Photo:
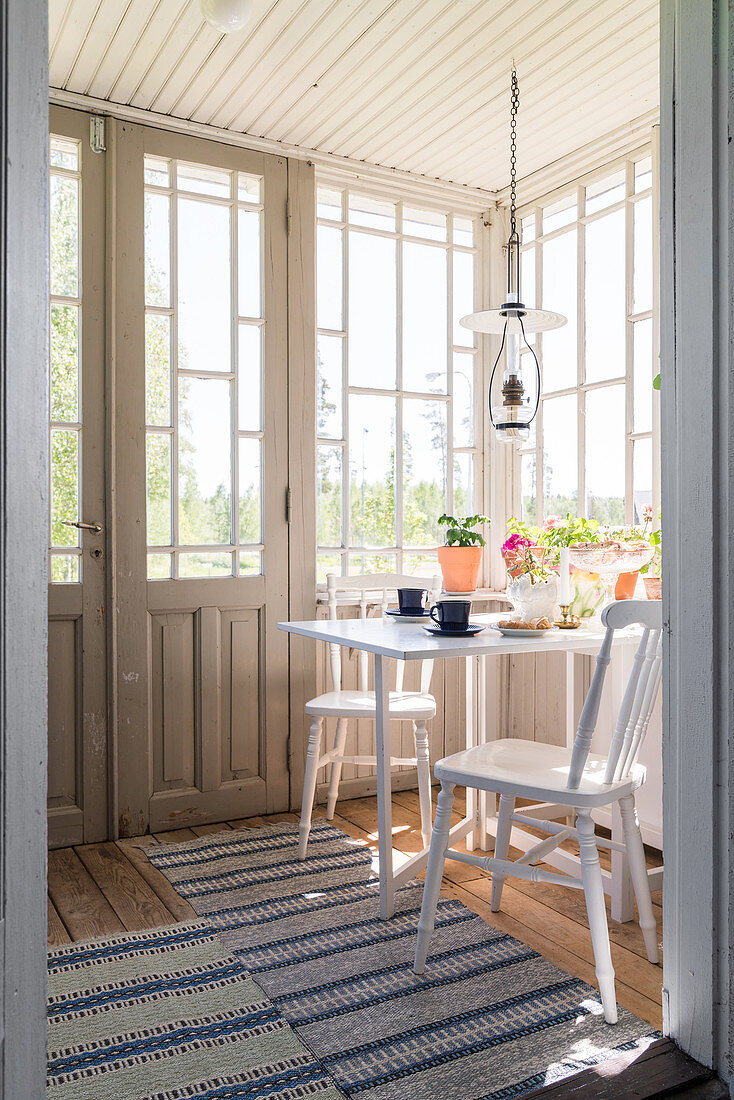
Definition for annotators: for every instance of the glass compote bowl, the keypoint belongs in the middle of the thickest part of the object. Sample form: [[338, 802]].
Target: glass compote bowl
[[609, 559]]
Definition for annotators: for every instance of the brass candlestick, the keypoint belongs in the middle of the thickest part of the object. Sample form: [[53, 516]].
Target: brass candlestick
[[568, 621]]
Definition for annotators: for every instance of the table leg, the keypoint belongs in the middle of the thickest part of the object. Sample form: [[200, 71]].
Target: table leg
[[472, 809], [384, 789]]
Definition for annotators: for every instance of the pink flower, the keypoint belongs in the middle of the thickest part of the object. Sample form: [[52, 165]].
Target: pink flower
[[553, 522], [647, 513], [514, 543]]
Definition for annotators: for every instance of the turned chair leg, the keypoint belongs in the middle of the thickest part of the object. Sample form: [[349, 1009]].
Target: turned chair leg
[[420, 734], [336, 767], [638, 873], [434, 873], [596, 909], [502, 846], [309, 784]]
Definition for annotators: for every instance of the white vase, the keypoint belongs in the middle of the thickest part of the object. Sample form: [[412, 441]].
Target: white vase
[[533, 601]]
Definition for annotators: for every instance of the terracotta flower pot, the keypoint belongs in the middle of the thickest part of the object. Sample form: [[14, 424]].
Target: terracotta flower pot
[[460, 567], [653, 588], [625, 586]]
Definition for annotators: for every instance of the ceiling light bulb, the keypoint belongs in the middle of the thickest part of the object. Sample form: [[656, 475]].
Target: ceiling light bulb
[[226, 16]]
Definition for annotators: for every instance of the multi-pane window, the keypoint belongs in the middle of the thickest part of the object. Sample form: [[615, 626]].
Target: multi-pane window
[[65, 413], [588, 253], [204, 331], [396, 430]]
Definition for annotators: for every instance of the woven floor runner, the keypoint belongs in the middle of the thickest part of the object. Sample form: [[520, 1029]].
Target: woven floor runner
[[169, 1014], [489, 1019]]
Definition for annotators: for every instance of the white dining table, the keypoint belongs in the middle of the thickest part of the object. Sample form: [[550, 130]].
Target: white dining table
[[389, 640]]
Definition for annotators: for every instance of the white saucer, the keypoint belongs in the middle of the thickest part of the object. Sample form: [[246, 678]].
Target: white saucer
[[512, 632]]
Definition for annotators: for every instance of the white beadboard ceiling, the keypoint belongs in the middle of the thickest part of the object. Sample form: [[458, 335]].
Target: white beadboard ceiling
[[416, 85]]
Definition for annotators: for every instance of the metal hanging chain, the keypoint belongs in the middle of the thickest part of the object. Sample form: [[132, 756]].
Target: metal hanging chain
[[514, 105]]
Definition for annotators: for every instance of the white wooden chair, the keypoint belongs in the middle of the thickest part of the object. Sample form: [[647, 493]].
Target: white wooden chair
[[575, 778], [417, 707]]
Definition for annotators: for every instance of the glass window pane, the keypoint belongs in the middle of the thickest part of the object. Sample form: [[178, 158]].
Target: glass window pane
[[373, 213], [204, 287], [64, 236], [528, 229], [329, 278], [463, 399], [372, 311], [329, 204], [643, 255], [251, 563], [64, 487], [421, 565], [329, 381], [560, 294], [65, 363], [424, 223], [371, 563], [158, 481], [250, 491], [528, 466], [204, 461], [249, 188], [643, 376], [64, 154], [157, 369], [250, 377], [159, 567], [560, 455], [327, 563], [527, 277], [249, 263], [642, 481], [157, 172], [157, 250], [463, 293], [605, 455], [606, 300], [372, 470], [425, 474], [643, 175], [64, 568], [560, 213], [199, 564], [605, 192], [329, 496], [250, 488], [424, 318], [463, 485], [463, 232], [204, 180]]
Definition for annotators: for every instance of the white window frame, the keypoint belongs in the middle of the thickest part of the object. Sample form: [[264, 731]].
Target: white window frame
[[401, 199], [582, 387]]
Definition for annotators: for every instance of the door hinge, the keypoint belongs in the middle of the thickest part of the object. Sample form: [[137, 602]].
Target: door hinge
[[288, 217], [96, 134], [288, 505]]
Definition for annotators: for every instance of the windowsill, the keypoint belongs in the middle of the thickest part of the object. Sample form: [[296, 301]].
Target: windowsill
[[375, 596]]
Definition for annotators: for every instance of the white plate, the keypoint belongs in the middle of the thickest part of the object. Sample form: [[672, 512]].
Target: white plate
[[394, 618], [511, 632]]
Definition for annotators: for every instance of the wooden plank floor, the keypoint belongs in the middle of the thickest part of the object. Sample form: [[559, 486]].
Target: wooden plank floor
[[107, 889]]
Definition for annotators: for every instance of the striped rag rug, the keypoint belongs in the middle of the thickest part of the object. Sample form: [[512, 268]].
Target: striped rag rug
[[169, 1014], [489, 1019]]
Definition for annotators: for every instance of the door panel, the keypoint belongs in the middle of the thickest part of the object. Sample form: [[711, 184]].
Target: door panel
[[77, 711], [205, 454]]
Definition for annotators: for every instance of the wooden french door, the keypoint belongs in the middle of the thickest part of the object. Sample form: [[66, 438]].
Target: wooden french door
[[77, 598], [199, 454]]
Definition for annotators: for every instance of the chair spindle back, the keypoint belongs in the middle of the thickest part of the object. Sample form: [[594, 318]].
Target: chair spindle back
[[639, 697]]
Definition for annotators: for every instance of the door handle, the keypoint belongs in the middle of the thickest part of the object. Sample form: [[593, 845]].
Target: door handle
[[95, 528]]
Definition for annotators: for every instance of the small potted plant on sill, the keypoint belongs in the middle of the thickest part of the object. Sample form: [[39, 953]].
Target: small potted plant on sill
[[461, 556], [651, 573]]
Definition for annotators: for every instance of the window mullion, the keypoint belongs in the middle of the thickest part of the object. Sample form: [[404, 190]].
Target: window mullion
[[173, 217], [346, 474], [581, 347], [235, 536], [629, 345], [398, 467]]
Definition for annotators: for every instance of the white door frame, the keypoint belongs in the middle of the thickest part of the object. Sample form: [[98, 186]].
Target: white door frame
[[698, 512]]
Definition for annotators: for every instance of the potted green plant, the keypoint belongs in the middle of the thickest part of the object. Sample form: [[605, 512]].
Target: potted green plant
[[534, 591], [652, 578], [461, 556]]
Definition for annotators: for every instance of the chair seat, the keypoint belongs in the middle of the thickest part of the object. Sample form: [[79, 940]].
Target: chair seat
[[531, 769], [361, 704]]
